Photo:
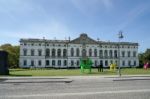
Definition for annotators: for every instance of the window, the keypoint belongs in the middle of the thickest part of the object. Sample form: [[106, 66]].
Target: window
[[59, 62], [110, 53], [78, 63], [123, 53], [65, 62], [115, 54], [53, 62], [134, 63], [105, 53], [32, 62], [101, 53], [101, 62], [40, 52], [59, 52], [84, 53], [95, 52], [134, 54], [25, 62], [77, 52], [47, 52], [47, 63], [106, 63], [123, 63], [53, 52], [129, 63], [128, 53], [25, 52], [72, 63], [95, 63], [90, 52], [64, 52], [72, 52], [39, 63], [32, 52]]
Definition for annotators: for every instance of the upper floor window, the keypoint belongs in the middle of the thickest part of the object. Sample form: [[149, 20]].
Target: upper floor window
[[59, 52], [47, 52], [134, 54], [101, 53], [115, 54], [40, 52], [129, 54], [25, 52], [77, 52], [95, 52], [90, 52], [72, 52], [32, 52], [53, 52], [64, 52], [110, 53], [123, 53], [106, 53]]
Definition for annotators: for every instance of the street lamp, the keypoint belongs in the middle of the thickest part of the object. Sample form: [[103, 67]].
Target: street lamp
[[120, 36]]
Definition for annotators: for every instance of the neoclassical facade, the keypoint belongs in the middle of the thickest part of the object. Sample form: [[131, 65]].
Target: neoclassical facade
[[43, 53]]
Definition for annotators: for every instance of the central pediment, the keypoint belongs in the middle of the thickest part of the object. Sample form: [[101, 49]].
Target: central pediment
[[83, 39]]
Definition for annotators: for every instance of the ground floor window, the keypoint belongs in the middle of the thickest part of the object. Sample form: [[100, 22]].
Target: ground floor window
[[47, 62], [95, 63], [123, 63], [59, 62], [77, 62], [106, 63], [72, 63], [134, 63], [25, 62], [129, 63], [39, 63], [65, 62], [53, 62], [32, 62], [101, 62]]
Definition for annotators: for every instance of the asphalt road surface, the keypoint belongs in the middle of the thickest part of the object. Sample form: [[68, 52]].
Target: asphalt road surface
[[75, 88]]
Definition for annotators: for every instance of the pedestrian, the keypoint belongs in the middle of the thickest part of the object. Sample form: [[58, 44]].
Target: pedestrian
[[101, 67]]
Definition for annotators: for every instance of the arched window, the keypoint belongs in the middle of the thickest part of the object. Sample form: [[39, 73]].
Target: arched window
[[84, 53], [32, 52], [72, 52], [115, 54], [101, 53], [25, 52], [110, 53], [77, 52], [129, 54], [90, 52], [64, 52], [47, 52], [105, 53], [53, 52], [59, 52], [95, 52], [40, 52]]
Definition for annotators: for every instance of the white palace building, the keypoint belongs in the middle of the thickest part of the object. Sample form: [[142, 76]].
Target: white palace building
[[44, 53]]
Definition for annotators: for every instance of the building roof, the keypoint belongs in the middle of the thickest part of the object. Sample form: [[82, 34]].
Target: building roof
[[82, 39]]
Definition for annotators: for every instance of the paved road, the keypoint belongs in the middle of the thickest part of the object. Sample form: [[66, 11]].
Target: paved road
[[76, 88]]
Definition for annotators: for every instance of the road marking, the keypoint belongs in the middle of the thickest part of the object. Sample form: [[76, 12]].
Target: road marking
[[77, 94]]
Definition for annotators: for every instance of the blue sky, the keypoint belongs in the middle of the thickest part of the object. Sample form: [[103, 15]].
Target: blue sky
[[63, 18]]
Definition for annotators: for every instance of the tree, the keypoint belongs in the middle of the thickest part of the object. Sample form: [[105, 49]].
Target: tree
[[13, 54]]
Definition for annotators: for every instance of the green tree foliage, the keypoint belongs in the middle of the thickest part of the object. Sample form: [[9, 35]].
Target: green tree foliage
[[13, 54], [144, 57]]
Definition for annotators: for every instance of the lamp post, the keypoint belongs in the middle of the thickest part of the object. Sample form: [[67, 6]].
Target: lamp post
[[120, 36]]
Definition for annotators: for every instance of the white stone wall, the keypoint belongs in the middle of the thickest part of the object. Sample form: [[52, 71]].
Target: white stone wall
[[43, 59]]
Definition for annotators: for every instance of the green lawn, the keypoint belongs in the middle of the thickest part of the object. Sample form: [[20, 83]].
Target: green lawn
[[73, 72]]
